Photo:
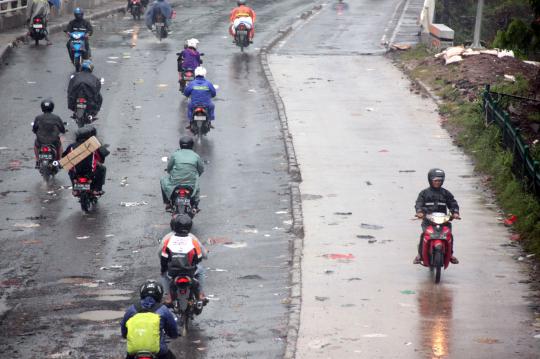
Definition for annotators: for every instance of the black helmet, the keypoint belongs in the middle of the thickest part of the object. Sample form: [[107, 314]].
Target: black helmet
[[79, 13], [241, 2], [153, 289], [186, 142], [84, 133], [47, 105], [435, 173], [181, 224]]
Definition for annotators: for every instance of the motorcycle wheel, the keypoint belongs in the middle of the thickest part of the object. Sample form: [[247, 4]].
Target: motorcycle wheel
[[45, 173], [185, 322], [438, 263], [77, 63], [37, 42], [85, 202]]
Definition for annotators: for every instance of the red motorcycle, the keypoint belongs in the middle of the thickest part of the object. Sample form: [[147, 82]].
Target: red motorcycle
[[437, 243]]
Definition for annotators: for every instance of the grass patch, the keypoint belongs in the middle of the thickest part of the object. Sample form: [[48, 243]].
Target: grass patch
[[465, 120]]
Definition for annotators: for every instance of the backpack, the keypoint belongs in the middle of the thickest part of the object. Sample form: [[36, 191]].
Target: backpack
[[144, 331]]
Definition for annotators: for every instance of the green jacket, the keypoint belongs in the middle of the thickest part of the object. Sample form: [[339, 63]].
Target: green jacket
[[184, 167]]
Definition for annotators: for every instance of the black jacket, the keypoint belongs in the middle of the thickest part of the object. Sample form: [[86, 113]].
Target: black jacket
[[436, 200], [85, 84], [48, 128], [80, 25]]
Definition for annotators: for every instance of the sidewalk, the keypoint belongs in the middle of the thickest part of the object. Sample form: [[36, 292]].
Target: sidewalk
[[364, 144], [9, 39]]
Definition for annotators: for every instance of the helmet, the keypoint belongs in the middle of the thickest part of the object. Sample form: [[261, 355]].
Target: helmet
[[241, 2], [153, 289], [435, 173], [186, 142], [181, 224], [87, 65], [200, 71], [192, 43], [84, 133], [47, 105], [79, 13]]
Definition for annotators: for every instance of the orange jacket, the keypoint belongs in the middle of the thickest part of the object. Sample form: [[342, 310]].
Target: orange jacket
[[243, 11]]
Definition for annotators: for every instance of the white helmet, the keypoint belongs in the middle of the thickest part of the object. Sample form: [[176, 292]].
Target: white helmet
[[200, 71], [192, 43]]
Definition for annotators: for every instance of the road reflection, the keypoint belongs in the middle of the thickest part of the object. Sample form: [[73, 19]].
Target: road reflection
[[435, 304]]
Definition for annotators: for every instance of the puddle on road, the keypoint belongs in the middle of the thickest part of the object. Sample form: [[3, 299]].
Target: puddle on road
[[101, 315], [112, 298], [107, 292]]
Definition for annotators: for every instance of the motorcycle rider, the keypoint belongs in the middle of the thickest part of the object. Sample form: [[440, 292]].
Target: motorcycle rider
[[40, 8], [156, 8], [243, 14], [79, 24], [144, 3], [147, 322], [189, 58], [435, 198], [182, 253], [201, 91], [87, 85], [92, 165], [184, 168], [48, 128]]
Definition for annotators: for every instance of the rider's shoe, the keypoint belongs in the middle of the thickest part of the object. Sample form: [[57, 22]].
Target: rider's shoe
[[454, 260], [417, 260]]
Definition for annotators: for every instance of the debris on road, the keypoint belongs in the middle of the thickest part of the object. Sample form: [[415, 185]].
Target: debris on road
[[219, 240], [510, 220], [83, 237], [408, 292], [124, 182], [113, 267], [339, 256], [133, 204]]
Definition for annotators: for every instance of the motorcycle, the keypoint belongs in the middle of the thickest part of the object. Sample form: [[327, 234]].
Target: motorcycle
[[38, 29], [186, 76], [241, 37], [77, 47], [80, 114], [136, 9], [161, 30], [181, 201], [437, 243], [82, 190], [200, 123], [48, 165], [186, 305]]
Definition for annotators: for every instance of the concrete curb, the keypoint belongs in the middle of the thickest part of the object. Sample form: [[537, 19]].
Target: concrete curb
[[295, 295], [5, 50]]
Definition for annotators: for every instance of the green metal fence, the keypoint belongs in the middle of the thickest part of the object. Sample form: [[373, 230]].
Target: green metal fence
[[523, 166]]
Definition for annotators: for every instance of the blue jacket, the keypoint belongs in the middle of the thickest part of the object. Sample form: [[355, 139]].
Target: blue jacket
[[167, 324], [200, 90]]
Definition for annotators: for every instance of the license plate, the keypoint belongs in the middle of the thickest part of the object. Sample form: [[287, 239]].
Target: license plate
[[81, 186], [242, 32], [45, 156], [159, 24], [38, 26], [200, 118], [81, 105]]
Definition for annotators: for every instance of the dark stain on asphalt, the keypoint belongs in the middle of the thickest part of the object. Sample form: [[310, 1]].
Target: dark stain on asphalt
[[251, 276], [371, 226]]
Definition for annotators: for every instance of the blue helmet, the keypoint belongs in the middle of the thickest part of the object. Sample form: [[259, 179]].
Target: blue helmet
[[78, 12], [87, 65]]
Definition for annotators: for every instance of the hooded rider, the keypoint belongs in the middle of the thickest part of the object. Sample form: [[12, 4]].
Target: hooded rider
[[184, 168], [87, 85], [158, 7]]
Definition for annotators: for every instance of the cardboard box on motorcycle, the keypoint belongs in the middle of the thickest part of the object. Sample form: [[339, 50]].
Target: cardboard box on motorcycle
[[82, 151]]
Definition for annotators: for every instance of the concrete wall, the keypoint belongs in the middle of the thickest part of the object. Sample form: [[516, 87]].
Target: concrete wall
[[17, 19]]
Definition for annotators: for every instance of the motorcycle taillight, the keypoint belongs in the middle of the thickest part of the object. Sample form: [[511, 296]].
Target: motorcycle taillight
[[45, 149], [83, 180], [189, 74], [199, 109], [37, 20], [81, 100], [182, 280], [183, 192]]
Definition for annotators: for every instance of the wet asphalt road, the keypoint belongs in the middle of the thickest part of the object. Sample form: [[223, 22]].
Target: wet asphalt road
[[57, 262]]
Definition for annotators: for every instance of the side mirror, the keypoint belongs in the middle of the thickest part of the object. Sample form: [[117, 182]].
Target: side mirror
[[102, 80], [202, 54], [32, 124]]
